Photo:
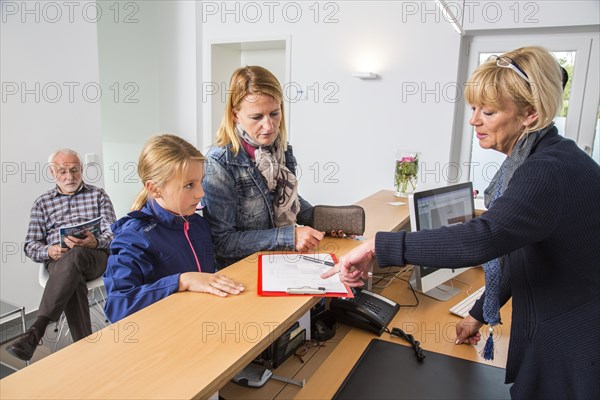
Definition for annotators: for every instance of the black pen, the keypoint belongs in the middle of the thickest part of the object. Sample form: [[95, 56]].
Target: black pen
[[316, 260]]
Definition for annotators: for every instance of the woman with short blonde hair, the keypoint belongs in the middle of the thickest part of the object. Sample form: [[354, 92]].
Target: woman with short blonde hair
[[538, 240], [542, 89]]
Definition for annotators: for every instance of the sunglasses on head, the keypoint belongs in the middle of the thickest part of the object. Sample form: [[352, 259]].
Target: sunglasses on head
[[507, 62]]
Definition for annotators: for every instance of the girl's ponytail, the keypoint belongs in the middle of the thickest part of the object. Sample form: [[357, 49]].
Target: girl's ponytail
[[140, 200]]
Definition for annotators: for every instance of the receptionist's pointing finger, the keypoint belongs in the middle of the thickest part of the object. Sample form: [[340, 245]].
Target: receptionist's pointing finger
[[338, 269], [331, 272]]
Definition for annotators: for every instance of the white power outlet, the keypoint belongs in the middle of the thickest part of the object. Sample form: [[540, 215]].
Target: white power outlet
[[91, 158]]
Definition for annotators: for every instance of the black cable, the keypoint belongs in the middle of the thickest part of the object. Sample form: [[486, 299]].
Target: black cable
[[382, 277], [385, 275], [409, 285], [416, 345], [413, 292]]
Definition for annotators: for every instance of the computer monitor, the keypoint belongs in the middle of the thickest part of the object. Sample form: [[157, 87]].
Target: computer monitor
[[430, 209]]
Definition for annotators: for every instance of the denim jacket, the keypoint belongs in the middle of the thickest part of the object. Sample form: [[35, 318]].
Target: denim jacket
[[239, 207]]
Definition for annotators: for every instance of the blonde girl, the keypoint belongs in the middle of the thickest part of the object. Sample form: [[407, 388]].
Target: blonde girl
[[163, 246]]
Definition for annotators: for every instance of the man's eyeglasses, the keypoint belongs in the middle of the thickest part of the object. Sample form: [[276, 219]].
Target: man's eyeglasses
[[507, 62], [62, 172]]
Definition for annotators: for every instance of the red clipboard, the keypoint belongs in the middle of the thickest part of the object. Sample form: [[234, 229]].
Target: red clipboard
[[261, 292]]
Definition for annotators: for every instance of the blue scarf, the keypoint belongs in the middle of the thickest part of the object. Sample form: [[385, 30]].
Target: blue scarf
[[493, 268]]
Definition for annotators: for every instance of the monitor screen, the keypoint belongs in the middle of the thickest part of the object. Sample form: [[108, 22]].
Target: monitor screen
[[432, 209]]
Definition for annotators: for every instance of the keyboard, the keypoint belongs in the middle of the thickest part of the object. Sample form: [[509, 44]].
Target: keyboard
[[462, 309]]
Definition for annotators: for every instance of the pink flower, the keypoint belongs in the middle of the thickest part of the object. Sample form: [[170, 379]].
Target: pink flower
[[407, 159]]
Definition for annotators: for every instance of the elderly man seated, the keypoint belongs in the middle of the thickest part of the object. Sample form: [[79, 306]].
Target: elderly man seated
[[81, 258]]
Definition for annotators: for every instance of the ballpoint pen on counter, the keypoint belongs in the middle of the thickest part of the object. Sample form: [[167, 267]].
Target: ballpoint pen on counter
[[317, 260]]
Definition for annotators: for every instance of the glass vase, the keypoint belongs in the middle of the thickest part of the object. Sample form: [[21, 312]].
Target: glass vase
[[406, 172]]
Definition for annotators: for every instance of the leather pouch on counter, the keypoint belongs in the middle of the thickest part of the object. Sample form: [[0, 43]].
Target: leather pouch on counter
[[350, 219]]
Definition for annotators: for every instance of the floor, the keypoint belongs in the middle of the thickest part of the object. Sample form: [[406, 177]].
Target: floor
[[9, 363]]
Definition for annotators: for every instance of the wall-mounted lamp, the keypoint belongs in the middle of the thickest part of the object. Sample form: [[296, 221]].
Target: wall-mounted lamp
[[365, 75]]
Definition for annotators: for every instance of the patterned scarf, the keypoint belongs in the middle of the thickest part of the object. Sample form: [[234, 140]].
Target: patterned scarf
[[270, 161], [493, 268]]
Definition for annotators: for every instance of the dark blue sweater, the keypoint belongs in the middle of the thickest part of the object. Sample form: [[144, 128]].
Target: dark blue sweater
[[547, 224]]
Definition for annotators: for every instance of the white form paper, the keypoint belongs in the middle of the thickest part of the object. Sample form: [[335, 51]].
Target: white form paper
[[282, 272]]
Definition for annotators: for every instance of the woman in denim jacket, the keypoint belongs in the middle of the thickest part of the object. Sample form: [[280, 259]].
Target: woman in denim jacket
[[251, 192]]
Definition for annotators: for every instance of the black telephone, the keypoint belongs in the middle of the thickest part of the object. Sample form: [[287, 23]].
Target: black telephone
[[367, 310]]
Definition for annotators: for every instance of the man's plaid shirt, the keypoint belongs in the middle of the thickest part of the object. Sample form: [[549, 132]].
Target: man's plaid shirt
[[54, 210]]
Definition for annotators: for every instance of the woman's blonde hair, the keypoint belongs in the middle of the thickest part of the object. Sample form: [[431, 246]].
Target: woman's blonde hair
[[163, 158], [492, 85], [249, 80]]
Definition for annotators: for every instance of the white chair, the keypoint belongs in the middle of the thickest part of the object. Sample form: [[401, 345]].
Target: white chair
[[94, 291]]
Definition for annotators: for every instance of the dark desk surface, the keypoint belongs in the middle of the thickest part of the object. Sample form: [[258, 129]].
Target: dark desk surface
[[388, 370]]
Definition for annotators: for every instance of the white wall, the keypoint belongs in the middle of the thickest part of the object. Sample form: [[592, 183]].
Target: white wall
[[128, 62], [494, 14], [346, 134], [273, 60], [53, 54], [346, 144], [151, 61]]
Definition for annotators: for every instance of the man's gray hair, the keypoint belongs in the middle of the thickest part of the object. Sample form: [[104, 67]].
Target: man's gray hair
[[64, 151]]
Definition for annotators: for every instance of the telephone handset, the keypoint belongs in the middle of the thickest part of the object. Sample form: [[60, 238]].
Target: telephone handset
[[367, 310]]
